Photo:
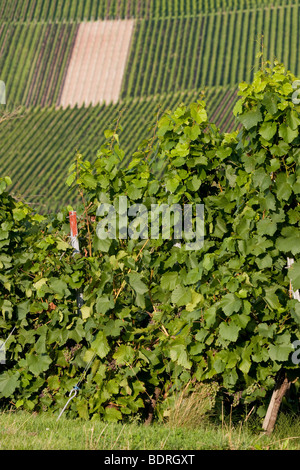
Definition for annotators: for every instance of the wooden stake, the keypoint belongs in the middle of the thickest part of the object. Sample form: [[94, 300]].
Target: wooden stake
[[281, 387]]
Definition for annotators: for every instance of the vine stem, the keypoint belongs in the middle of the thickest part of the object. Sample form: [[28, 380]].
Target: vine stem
[[124, 282]]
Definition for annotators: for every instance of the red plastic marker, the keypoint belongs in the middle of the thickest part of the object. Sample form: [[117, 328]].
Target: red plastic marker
[[73, 223], [75, 245], [74, 231]]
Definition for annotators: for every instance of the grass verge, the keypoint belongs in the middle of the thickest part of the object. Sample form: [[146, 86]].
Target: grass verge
[[30, 431]]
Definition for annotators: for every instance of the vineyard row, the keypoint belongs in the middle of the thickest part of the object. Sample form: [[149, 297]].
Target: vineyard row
[[209, 50], [78, 10], [38, 146], [33, 61]]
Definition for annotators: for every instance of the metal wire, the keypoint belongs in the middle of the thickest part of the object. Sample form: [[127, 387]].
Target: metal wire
[[75, 389]]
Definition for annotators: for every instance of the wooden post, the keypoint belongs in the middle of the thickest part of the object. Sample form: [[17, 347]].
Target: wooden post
[[75, 245], [281, 387]]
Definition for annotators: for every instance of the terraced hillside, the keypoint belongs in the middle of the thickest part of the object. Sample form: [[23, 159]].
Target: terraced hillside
[[43, 62], [50, 61]]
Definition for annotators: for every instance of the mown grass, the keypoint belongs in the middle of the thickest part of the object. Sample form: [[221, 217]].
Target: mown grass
[[30, 431]]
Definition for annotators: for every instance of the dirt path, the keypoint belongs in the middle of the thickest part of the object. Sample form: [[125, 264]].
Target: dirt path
[[98, 62]]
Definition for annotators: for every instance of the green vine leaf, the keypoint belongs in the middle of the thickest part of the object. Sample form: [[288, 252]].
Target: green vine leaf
[[100, 345], [229, 331]]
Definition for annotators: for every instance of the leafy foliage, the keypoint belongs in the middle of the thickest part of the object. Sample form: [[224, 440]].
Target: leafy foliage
[[156, 316]]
